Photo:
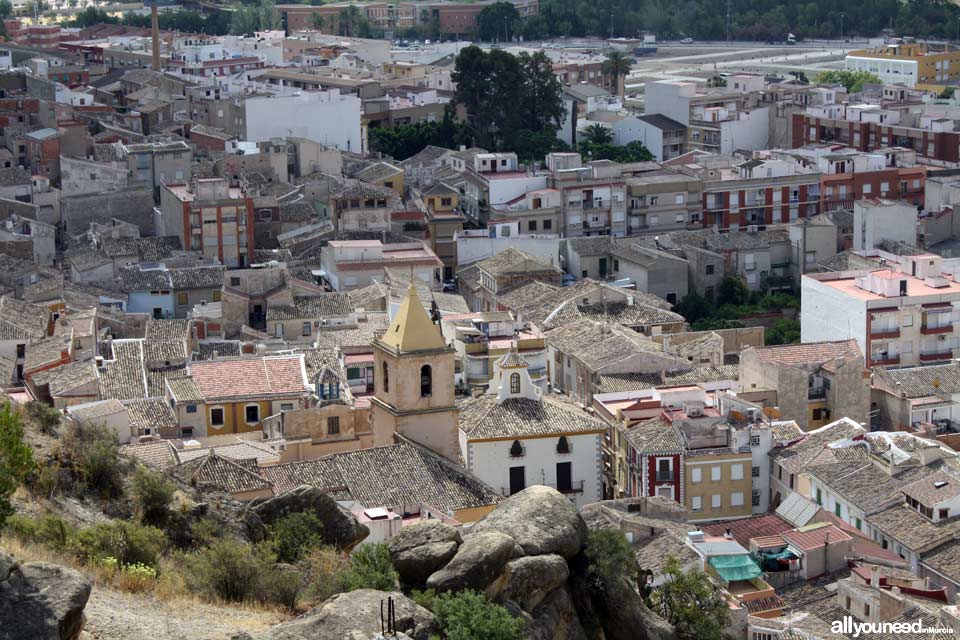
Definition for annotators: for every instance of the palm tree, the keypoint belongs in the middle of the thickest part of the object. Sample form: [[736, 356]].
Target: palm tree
[[318, 22], [597, 134], [616, 66]]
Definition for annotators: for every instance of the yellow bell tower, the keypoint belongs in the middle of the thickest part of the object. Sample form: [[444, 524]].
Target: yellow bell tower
[[414, 382]]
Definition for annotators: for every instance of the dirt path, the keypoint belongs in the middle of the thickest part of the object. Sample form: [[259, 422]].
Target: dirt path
[[112, 615]]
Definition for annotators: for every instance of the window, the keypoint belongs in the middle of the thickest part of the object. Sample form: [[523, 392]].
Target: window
[[858, 523], [307, 326], [837, 508], [252, 413], [754, 441], [709, 269], [333, 425], [563, 445], [736, 499], [908, 320], [736, 472], [755, 498], [715, 501], [216, 417], [943, 514], [532, 225], [515, 383], [234, 282], [386, 378], [867, 188], [755, 472], [866, 610], [182, 298], [516, 449], [426, 381], [697, 503], [286, 406], [715, 474], [671, 297], [695, 474], [547, 225], [191, 408]]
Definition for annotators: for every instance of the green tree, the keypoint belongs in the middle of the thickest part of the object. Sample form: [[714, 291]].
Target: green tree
[[46, 417], [716, 81], [616, 66], [318, 21], [609, 557], [852, 80], [497, 21], [542, 105], [947, 93], [16, 458], [152, 495], [91, 15], [370, 568], [92, 453], [469, 616], [597, 134], [733, 290], [245, 21], [350, 19], [269, 16], [783, 331], [694, 307], [295, 536], [6, 8], [125, 541], [691, 602]]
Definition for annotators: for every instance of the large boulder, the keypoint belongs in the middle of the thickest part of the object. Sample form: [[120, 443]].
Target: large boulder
[[531, 578], [419, 550], [479, 561], [542, 520], [41, 601], [618, 609], [340, 527], [356, 615], [556, 619]]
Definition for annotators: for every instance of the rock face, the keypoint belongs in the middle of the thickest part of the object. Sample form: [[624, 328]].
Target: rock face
[[356, 616], [420, 550], [340, 528], [478, 563], [527, 555], [40, 601], [541, 520]]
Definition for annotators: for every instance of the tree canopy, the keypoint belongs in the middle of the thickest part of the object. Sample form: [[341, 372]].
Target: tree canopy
[[498, 21], [16, 458], [852, 80], [691, 602]]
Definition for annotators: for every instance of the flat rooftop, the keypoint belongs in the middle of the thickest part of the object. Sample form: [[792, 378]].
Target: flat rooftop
[[916, 287]]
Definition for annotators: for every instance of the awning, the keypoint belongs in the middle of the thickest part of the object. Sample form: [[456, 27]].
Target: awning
[[738, 567]]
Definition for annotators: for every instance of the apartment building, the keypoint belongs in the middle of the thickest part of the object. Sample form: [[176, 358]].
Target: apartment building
[[491, 179], [664, 199], [351, 264], [757, 192], [902, 314], [593, 195], [871, 127], [207, 57], [909, 64], [210, 216], [716, 120]]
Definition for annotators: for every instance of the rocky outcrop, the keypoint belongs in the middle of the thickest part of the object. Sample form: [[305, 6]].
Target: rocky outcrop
[[357, 616], [340, 528], [541, 520], [421, 549], [527, 554], [40, 601], [477, 564]]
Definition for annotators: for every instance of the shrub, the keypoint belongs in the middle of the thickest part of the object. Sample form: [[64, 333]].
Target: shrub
[[48, 480], [93, 453], [469, 616], [205, 531], [16, 458], [51, 531], [280, 584], [321, 570], [296, 535], [610, 557], [370, 567], [137, 578], [227, 570], [691, 602], [152, 494], [46, 417], [129, 543]]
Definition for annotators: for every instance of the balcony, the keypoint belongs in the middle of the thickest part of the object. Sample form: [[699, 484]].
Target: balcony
[[935, 356], [929, 330], [883, 360], [884, 333], [573, 487], [664, 476], [816, 393]]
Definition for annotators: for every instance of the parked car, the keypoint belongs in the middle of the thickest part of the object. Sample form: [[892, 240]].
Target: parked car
[[687, 41], [450, 285]]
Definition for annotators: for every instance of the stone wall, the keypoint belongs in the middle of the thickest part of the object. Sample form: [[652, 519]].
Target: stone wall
[[131, 205]]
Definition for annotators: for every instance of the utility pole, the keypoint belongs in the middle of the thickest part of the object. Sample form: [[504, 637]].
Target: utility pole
[[842, 16], [729, 18]]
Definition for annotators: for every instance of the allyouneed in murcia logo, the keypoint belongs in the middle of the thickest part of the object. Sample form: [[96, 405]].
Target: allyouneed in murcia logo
[[850, 627]]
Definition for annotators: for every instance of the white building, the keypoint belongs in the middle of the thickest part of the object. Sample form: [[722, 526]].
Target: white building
[[326, 117], [903, 314], [878, 220], [513, 437], [893, 70]]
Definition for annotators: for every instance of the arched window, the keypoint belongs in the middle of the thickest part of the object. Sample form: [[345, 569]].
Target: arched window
[[563, 445], [515, 383], [386, 378], [426, 381], [516, 449]]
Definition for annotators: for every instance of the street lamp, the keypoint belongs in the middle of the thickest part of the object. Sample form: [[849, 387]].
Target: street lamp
[[842, 16]]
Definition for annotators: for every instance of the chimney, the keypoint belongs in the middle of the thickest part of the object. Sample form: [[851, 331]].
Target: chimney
[[728, 534], [874, 577]]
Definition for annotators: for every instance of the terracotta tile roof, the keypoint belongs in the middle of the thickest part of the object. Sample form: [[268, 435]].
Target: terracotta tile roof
[[154, 414], [211, 350], [263, 377], [331, 304], [159, 455], [746, 529], [21, 320], [913, 530], [655, 436], [599, 345], [810, 354], [512, 261], [183, 389], [614, 382], [47, 351], [816, 537], [935, 488], [167, 329], [483, 417], [919, 382], [798, 455], [760, 605], [236, 450], [221, 473], [124, 377], [63, 379]]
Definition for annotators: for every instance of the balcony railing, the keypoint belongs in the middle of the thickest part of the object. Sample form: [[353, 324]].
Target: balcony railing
[[664, 476], [884, 333], [929, 330], [817, 393], [573, 487], [885, 360], [934, 356]]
